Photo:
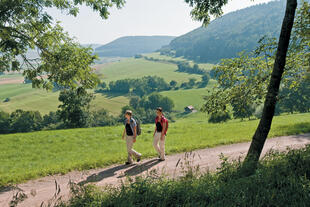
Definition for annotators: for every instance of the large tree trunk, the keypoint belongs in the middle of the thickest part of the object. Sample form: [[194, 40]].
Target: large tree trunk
[[263, 128]]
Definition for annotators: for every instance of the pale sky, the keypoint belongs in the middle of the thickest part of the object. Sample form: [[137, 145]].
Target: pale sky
[[137, 17]]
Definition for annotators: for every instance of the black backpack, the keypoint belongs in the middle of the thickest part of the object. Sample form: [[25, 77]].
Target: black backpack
[[138, 122]]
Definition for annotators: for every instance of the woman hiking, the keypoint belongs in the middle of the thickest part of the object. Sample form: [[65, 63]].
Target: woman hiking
[[161, 127], [130, 133]]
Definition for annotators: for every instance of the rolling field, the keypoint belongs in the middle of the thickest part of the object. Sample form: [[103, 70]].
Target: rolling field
[[31, 155], [137, 68], [24, 97], [157, 55]]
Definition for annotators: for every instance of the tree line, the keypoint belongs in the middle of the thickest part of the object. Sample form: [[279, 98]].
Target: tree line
[[149, 84], [74, 113]]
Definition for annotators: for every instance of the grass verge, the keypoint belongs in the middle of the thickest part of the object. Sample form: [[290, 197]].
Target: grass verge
[[282, 179]]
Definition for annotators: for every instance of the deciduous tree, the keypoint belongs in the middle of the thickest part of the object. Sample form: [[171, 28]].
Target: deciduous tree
[[25, 25], [202, 11]]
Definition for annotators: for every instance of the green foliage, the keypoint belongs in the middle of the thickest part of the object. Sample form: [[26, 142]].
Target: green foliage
[[26, 25], [186, 68], [155, 100], [102, 118], [141, 87], [144, 108], [74, 110], [219, 117], [173, 83], [52, 121], [204, 81], [282, 179], [243, 81], [4, 122], [232, 33], [25, 121]]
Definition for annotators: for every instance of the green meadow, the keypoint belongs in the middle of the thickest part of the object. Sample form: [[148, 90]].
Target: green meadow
[[137, 68], [23, 96], [158, 56], [31, 155], [186, 97]]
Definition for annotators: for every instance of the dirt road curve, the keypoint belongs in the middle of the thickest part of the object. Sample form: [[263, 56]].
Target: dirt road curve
[[43, 189]]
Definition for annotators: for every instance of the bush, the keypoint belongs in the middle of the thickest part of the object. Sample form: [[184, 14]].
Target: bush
[[102, 118], [282, 179], [4, 123], [219, 117], [25, 121]]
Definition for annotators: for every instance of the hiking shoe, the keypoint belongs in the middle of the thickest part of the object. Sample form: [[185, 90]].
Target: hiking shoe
[[139, 159], [161, 160], [128, 163]]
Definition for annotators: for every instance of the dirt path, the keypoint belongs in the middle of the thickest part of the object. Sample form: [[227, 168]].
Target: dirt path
[[4, 81], [208, 159]]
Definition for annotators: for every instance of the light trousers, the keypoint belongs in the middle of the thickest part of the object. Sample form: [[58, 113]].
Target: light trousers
[[159, 145], [131, 152]]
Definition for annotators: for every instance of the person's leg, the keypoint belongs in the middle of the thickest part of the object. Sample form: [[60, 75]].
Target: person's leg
[[155, 142], [162, 148], [135, 153], [129, 142]]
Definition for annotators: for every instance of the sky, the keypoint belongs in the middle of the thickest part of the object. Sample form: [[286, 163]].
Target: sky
[[137, 17]]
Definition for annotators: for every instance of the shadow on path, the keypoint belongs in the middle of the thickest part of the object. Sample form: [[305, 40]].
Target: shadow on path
[[104, 174], [4, 189], [138, 169]]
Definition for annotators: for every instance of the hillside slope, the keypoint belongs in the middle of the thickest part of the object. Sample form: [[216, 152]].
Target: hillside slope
[[230, 34], [131, 45]]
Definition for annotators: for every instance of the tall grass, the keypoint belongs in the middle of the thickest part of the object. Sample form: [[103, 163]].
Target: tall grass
[[282, 179]]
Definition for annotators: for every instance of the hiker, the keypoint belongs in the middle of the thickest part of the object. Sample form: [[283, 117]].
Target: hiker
[[161, 128], [130, 133]]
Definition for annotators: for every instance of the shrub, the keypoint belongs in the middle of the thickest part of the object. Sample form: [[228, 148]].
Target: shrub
[[219, 117], [25, 121], [282, 179], [4, 122]]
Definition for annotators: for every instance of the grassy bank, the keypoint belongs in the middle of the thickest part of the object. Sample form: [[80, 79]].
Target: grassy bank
[[31, 155], [282, 179]]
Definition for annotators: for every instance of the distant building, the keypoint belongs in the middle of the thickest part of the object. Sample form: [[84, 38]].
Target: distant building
[[190, 109]]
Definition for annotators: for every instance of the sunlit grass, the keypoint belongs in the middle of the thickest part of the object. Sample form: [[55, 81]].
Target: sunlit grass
[[30, 155]]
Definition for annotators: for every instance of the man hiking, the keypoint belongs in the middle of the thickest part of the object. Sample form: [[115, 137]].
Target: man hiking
[[130, 133], [161, 128]]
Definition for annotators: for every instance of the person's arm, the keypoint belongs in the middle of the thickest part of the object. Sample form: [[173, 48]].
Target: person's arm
[[134, 133], [154, 131], [123, 137], [163, 131]]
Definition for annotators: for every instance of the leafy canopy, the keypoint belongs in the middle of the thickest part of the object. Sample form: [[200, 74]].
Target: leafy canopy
[[204, 9], [243, 81], [25, 24]]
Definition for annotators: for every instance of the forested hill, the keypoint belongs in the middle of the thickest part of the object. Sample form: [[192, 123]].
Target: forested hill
[[230, 34], [132, 45]]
